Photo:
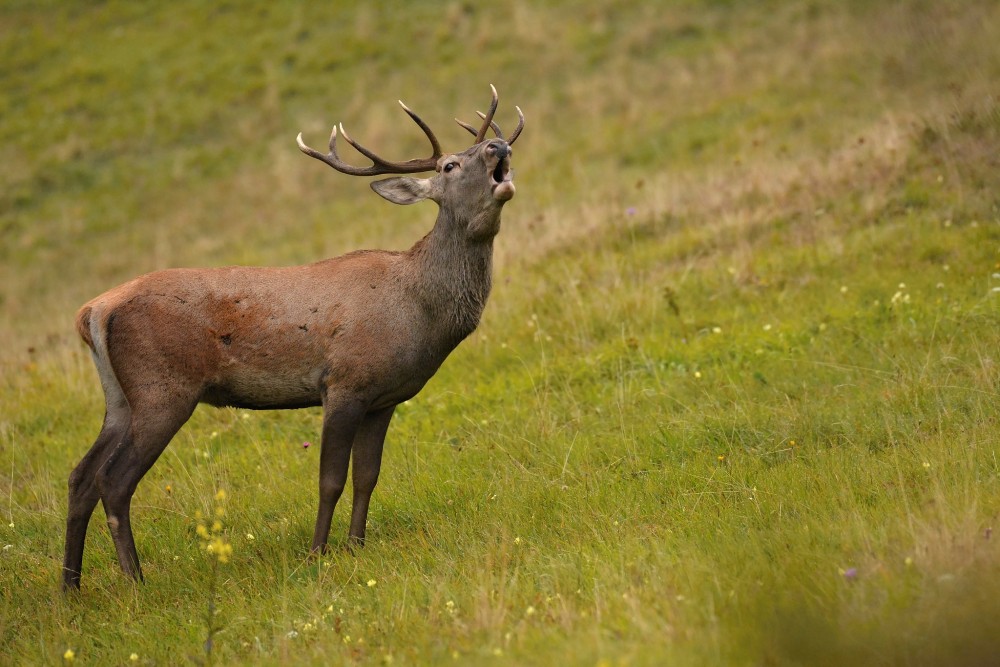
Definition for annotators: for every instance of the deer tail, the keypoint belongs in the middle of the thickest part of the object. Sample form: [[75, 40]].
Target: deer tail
[[83, 325]]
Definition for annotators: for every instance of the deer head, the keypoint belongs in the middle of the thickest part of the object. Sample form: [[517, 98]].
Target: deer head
[[470, 187]]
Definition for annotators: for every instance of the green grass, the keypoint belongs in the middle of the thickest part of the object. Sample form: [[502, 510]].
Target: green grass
[[733, 400]]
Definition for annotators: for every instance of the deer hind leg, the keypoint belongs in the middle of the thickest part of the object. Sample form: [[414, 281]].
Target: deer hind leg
[[152, 427], [84, 494], [83, 490], [367, 462]]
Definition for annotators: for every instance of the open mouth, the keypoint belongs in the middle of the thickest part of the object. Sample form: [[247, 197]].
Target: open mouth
[[502, 180], [501, 173]]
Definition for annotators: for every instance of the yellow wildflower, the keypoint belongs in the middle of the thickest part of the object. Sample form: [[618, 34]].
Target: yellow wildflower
[[219, 548]]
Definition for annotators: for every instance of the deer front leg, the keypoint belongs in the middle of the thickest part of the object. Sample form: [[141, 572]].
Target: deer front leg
[[340, 423], [367, 462]]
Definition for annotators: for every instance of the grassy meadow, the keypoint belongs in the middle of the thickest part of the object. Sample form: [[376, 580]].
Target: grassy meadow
[[734, 399]]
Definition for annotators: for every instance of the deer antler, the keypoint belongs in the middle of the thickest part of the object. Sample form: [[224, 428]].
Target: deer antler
[[488, 122], [379, 165]]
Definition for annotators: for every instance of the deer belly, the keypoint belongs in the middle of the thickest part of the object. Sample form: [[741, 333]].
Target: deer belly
[[263, 385]]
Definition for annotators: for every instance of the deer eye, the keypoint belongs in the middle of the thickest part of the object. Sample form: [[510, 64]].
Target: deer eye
[[451, 165]]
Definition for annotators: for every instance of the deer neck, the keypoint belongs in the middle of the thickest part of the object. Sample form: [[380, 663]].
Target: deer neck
[[453, 268]]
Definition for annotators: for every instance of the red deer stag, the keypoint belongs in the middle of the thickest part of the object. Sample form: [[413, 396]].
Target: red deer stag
[[356, 334]]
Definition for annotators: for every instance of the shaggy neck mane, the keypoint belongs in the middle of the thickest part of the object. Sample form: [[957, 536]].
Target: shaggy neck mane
[[457, 267]]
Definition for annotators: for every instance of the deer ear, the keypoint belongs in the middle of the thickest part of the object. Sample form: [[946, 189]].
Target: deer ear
[[403, 190]]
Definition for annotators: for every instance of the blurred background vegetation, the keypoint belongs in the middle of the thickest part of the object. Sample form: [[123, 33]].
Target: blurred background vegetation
[[168, 131]]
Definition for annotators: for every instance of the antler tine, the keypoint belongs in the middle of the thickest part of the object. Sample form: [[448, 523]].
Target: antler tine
[[361, 149], [493, 124], [435, 146], [332, 158], [379, 165], [488, 121], [496, 128], [517, 130], [488, 118], [472, 130]]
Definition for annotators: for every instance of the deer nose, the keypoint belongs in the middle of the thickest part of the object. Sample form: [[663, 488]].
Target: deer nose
[[499, 148]]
